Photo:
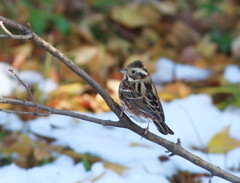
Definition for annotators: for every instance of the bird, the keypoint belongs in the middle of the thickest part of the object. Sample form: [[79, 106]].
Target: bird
[[139, 99]]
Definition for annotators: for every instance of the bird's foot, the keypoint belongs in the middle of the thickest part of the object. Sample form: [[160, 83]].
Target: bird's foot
[[145, 131]]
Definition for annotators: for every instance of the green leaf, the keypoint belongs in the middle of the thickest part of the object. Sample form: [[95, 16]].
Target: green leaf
[[39, 20], [62, 24], [210, 7], [86, 164], [1, 135], [223, 39]]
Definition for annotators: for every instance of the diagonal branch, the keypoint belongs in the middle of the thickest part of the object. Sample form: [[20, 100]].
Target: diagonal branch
[[125, 122]]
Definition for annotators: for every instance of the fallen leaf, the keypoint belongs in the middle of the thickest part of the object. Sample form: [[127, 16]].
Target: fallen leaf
[[133, 144], [206, 48], [134, 15], [69, 89], [78, 156], [182, 34], [222, 142], [97, 60], [41, 154], [117, 168], [23, 146], [175, 90], [166, 7], [189, 55], [21, 53]]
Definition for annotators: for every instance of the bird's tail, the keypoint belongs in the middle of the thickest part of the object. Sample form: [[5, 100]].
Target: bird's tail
[[163, 128]]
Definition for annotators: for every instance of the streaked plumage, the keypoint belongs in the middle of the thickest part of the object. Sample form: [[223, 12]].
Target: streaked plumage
[[139, 97]]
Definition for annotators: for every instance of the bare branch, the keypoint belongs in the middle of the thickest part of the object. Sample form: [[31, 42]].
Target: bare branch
[[25, 86], [50, 110], [125, 122], [12, 36], [26, 113]]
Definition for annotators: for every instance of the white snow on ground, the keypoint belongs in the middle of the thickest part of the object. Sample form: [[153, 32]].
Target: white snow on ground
[[194, 119], [9, 83], [114, 145], [10, 121], [232, 74], [165, 68]]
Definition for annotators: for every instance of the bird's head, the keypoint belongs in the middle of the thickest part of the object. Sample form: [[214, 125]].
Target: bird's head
[[135, 71]]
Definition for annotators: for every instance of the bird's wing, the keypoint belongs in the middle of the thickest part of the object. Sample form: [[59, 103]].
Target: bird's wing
[[146, 102]]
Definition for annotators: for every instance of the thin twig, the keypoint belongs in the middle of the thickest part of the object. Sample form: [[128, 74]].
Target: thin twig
[[5, 29], [26, 113], [25, 86], [12, 36]]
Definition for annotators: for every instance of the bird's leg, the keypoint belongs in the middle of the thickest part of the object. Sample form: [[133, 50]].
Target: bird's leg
[[122, 112], [146, 129]]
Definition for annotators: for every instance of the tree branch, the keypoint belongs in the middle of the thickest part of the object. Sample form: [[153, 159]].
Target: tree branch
[[50, 110], [12, 36], [125, 122]]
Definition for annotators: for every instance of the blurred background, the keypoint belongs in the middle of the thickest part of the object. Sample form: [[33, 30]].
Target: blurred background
[[101, 37]]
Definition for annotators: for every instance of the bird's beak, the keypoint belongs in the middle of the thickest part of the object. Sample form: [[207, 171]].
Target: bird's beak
[[123, 71]]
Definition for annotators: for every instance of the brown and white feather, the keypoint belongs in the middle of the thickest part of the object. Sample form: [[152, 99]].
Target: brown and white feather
[[139, 97]]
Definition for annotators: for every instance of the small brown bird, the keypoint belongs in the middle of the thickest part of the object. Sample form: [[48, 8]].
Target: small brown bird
[[139, 97]]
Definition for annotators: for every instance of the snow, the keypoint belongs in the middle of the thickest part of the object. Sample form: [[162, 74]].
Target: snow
[[11, 121], [114, 145], [166, 68], [6, 80], [232, 74], [28, 77], [194, 119]]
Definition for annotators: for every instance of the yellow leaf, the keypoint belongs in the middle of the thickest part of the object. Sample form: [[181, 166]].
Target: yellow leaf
[[23, 146], [222, 142], [69, 89], [117, 168], [134, 15], [206, 48], [139, 145]]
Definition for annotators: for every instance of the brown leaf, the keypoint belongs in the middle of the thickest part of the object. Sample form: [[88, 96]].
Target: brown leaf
[[97, 60], [175, 90], [187, 177], [182, 35], [190, 55], [163, 158], [22, 52]]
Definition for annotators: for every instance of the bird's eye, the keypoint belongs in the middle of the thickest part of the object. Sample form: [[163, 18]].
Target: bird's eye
[[133, 71]]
